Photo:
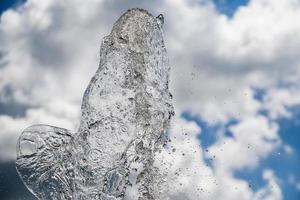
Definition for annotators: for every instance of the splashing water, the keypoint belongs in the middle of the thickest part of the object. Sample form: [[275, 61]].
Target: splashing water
[[126, 112]]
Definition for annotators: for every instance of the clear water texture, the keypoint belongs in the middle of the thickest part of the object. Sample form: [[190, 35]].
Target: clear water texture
[[126, 113]]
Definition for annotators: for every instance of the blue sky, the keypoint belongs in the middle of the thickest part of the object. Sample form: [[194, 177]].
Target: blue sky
[[285, 165], [235, 82], [8, 4], [228, 7]]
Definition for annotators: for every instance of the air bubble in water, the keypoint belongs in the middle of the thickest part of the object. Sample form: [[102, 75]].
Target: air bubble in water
[[126, 111]]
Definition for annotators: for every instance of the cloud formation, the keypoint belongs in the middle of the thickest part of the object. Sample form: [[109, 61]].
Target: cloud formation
[[49, 51]]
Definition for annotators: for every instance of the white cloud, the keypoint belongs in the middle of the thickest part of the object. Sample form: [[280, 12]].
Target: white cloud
[[255, 48], [58, 113], [189, 177], [49, 51], [272, 191], [253, 138], [288, 149], [278, 100], [292, 180]]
